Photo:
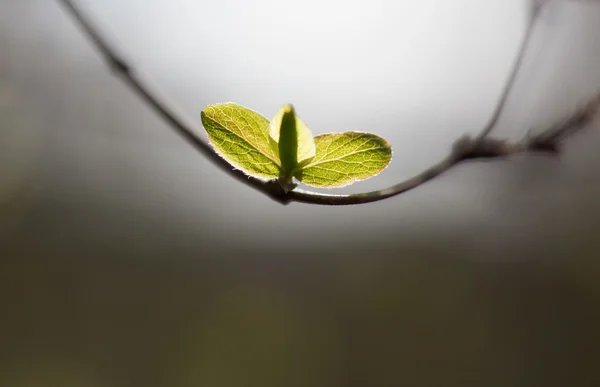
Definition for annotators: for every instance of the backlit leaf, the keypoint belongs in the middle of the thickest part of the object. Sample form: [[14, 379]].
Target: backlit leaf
[[343, 158], [241, 136]]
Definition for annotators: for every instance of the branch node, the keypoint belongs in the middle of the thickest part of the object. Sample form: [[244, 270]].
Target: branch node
[[463, 147], [277, 192], [467, 147]]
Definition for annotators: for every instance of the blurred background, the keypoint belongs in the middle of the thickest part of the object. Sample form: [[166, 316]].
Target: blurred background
[[126, 259]]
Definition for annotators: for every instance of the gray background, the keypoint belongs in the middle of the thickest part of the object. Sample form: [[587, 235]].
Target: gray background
[[127, 260]]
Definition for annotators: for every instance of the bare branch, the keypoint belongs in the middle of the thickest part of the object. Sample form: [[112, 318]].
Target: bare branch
[[122, 68], [465, 148], [512, 76]]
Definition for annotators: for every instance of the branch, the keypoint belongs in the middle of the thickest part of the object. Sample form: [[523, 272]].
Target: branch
[[465, 148], [512, 77], [122, 68]]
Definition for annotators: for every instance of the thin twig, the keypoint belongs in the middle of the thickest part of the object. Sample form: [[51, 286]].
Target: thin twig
[[512, 76], [465, 148], [551, 137]]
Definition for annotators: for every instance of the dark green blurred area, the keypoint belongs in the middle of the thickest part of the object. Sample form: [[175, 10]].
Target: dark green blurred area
[[126, 260], [428, 319]]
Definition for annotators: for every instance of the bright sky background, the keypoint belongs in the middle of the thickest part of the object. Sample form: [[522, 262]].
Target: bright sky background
[[419, 73]]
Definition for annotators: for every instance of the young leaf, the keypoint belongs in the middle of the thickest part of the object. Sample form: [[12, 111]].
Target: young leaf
[[343, 158], [241, 136], [292, 141]]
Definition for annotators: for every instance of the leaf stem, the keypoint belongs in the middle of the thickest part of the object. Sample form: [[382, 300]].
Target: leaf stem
[[465, 148]]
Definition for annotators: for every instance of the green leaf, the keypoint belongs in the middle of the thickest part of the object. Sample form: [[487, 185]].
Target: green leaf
[[241, 136], [343, 158], [292, 141]]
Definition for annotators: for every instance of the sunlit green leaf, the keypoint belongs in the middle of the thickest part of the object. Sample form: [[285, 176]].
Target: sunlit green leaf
[[241, 136], [285, 148], [291, 140], [343, 158]]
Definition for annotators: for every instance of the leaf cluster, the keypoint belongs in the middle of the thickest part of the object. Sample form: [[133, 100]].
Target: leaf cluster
[[285, 149]]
